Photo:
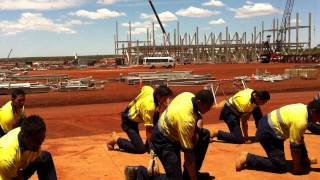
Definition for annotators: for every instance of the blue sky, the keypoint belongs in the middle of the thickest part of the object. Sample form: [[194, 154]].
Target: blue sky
[[87, 27]]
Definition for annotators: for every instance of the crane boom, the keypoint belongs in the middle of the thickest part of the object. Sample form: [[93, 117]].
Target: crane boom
[[156, 14], [285, 18], [166, 38], [9, 54]]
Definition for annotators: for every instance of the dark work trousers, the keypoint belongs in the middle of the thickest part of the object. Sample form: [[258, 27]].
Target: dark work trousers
[[275, 162], [257, 115], [169, 154], [135, 145], [43, 165], [273, 146], [1, 132], [314, 127], [233, 123]]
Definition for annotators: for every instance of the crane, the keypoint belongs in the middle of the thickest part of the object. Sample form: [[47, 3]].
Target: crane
[[281, 35], [159, 21], [9, 54]]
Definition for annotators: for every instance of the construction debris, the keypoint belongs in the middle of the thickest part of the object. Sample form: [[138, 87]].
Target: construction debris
[[172, 77], [302, 73], [8, 87], [58, 82], [86, 83]]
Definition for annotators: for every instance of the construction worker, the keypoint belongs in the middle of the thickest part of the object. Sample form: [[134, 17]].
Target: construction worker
[[287, 122], [21, 155], [143, 109], [314, 127], [12, 112], [177, 131], [240, 107]]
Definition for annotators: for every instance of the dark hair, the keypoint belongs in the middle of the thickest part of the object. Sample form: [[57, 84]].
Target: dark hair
[[33, 124], [17, 92], [315, 105], [263, 95], [205, 96], [162, 91]]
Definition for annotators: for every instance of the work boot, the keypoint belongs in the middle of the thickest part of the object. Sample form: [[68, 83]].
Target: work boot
[[203, 176], [241, 161], [313, 160], [130, 172], [112, 141], [213, 132]]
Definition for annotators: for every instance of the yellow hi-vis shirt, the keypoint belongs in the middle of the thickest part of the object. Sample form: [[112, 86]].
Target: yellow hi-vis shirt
[[143, 107], [8, 118], [178, 123], [242, 101], [11, 157], [289, 121]]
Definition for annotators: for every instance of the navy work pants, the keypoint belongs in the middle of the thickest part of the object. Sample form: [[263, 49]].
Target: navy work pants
[[233, 123], [169, 155], [43, 165], [274, 148], [135, 145]]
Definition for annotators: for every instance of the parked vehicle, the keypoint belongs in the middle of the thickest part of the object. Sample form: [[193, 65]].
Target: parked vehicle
[[154, 62]]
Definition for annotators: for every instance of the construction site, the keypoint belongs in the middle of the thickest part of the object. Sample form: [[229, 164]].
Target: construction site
[[81, 102], [276, 42]]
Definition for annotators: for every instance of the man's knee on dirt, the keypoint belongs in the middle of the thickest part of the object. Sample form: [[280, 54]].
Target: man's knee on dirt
[[280, 166], [45, 157], [141, 149], [238, 139]]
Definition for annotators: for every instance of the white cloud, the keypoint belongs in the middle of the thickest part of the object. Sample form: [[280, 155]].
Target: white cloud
[[35, 22], [196, 12], [214, 3], [249, 2], [146, 16], [140, 30], [166, 16], [136, 24], [99, 14], [294, 21], [141, 27], [218, 21], [73, 22], [110, 1], [258, 9], [39, 4]]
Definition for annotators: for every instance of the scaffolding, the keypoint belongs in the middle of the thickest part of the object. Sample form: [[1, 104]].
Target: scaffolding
[[223, 47]]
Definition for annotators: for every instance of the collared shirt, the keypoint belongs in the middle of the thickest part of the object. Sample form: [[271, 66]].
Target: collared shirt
[[143, 107], [242, 101], [8, 118], [179, 122], [290, 121], [13, 155]]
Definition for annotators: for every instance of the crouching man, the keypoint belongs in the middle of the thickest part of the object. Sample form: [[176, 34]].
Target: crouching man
[[21, 155], [145, 108], [177, 131], [287, 122]]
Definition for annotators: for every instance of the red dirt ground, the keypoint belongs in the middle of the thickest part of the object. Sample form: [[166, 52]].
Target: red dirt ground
[[79, 123]]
